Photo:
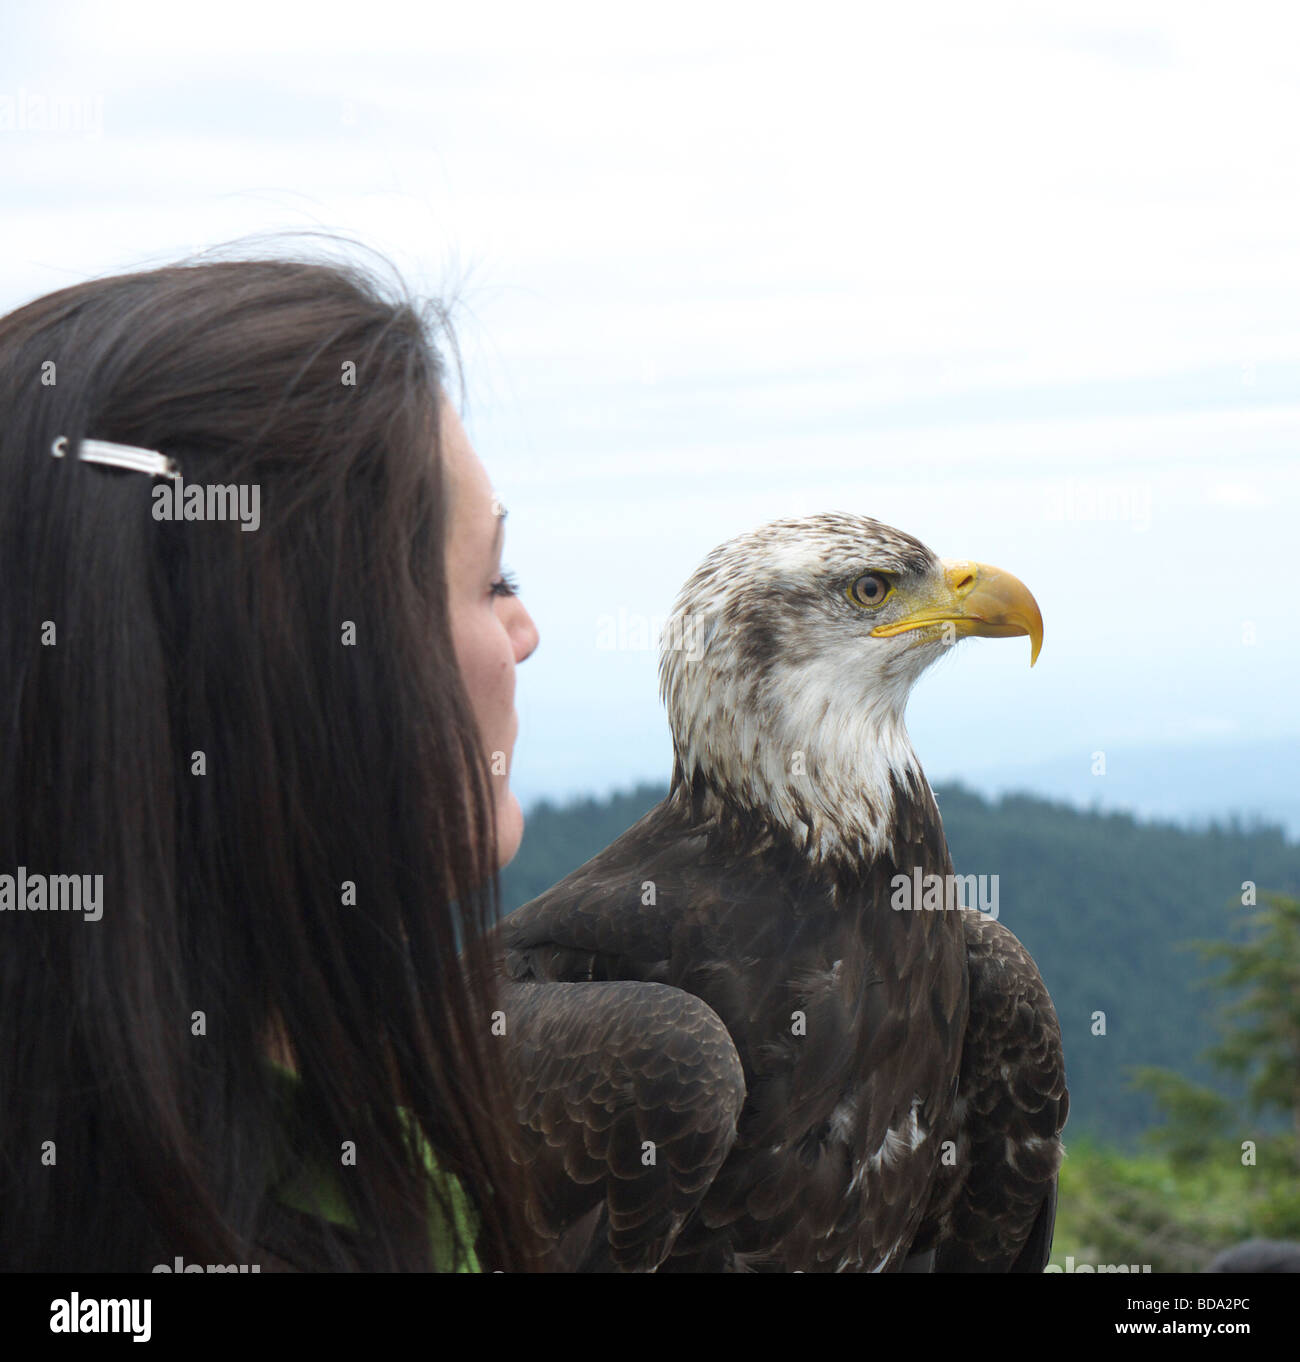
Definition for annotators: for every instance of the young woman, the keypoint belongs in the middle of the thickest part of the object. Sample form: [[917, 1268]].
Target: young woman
[[256, 688]]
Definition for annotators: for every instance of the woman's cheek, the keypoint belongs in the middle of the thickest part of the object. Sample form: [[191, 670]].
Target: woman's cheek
[[510, 827]]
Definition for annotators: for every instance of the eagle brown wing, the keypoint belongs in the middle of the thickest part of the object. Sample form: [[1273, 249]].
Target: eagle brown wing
[[993, 1209], [606, 1058], [629, 1093]]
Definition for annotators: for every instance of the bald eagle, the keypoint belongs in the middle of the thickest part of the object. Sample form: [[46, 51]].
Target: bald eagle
[[738, 1040]]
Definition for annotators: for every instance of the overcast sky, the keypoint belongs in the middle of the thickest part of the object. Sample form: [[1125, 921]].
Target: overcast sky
[[1023, 280]]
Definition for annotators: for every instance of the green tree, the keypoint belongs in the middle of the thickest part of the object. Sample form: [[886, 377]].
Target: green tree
[[1262, 1040], [1260, 1047]]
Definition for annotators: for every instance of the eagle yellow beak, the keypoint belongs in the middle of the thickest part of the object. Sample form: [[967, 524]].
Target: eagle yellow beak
[[976, 599]]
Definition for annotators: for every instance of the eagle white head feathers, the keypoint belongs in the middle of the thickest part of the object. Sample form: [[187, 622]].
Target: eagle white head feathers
[[789, 658]]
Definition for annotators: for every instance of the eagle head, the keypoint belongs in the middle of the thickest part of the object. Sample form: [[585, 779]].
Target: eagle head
[[788, 659]]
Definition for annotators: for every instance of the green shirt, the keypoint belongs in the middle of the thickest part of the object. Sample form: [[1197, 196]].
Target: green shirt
[[315, 1191]]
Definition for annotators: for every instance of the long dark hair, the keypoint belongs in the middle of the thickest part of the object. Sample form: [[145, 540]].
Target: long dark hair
[[132, 1129]]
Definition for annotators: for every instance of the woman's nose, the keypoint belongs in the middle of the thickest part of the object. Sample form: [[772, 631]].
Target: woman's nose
[[524, 633]]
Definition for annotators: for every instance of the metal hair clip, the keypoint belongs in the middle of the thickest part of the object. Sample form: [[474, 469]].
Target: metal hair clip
[[130, 457]]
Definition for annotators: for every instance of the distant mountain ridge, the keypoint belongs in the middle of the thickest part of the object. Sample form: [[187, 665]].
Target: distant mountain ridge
[[1190, 783]]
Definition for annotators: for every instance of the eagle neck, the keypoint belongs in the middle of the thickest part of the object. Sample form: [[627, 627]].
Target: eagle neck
[[839, 790]]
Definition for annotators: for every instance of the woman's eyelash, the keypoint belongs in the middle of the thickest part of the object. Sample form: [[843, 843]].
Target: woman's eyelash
[[505, 585]]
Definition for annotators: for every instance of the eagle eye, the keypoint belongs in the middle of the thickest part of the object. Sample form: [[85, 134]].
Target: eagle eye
[[870, 590]]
